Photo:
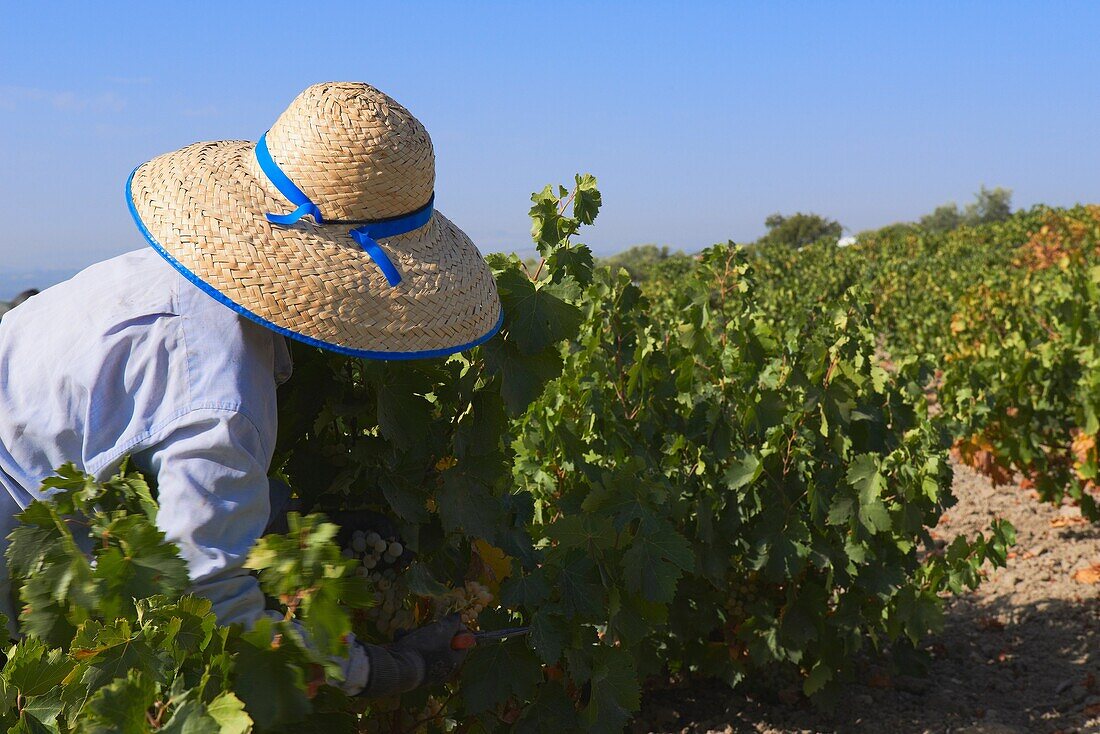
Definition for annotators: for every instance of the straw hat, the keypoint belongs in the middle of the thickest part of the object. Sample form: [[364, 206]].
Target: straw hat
[[324, 230]]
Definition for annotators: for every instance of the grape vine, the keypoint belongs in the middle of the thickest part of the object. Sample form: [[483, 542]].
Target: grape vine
[[662, 482]]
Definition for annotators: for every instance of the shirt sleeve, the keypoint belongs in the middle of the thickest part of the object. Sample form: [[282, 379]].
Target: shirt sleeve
[[211, 471], [214, 498]]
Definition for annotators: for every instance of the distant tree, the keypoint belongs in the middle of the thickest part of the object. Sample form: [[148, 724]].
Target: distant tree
[[641, 260], [895, 230], [989, 205], [5, 307], [24, 296], [799, 230], [943, 218]]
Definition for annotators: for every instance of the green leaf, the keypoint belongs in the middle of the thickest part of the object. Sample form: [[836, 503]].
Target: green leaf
[[574, 261], [228, 711], [53, 575], [524, 589], [191, 717], [745, 470], [866, 477], [46, 707], [194, 616], [406, 498], [466, 502], [421, 582], [586, 532], [493, 672], [138, 563], [579, 595], [655, 559], [403, 414], [325, 618], [28, 724], [481, 428], [111, 651], [268, 679], [842, 510], [819, 675], [551, 713], [523, 377], [33, 669], [120, 706], [549, 635], [632, 619], [616, 694], [537, 316], [587, 200], [548, 226], [306, 557]]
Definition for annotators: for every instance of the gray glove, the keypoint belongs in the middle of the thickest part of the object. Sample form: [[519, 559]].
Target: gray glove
[[422, 657]]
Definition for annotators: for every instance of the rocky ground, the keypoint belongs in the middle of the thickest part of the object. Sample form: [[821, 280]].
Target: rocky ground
[[1019, 655]]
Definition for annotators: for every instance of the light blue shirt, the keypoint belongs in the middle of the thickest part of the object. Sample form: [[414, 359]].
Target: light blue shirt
[[129, 358]]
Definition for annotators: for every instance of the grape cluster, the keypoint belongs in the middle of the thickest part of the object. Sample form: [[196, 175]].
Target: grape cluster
[[743, 593], [468, 601], [389, 614], [378, 556], [380, 559]]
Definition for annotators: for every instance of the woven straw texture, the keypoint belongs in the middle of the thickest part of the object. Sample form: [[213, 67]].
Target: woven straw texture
[[358, 155]]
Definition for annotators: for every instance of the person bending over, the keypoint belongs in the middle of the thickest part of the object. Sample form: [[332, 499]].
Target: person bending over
[[323, 231]]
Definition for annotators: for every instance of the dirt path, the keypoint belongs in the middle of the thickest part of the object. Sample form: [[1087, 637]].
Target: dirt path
[[1020, 655]]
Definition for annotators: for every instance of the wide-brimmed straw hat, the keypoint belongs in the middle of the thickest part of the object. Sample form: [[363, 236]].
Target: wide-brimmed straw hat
[[324, 230]]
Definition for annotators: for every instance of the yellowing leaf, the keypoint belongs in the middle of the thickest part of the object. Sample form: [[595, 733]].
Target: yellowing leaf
[[496, 565]]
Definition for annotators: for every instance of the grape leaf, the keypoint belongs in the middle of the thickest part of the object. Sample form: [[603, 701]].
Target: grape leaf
[[465, 501], [615, 691], [403, 414], [551, 713], [28, 724], [192, 717], [579, 596], [744, 471], [33, 669], [574, 261], [586, 532], [587, 200], [267, 679], [549, 634], [137, 563], [523, 376], [655, 560], [865, 476], [494, 672], [228, 711], [119, 707], [537, 315], [524, 589]]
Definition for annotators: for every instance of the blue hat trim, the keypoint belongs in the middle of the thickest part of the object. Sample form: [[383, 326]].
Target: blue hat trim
[[226, 301]]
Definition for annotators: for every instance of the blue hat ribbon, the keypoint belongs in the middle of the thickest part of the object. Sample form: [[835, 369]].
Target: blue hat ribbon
[[366, 235], [286, 187]]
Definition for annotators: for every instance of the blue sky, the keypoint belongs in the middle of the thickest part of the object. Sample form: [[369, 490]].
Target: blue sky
[[699, 119]]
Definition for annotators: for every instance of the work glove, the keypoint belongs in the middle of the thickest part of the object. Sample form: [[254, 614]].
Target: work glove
[[421, 657]]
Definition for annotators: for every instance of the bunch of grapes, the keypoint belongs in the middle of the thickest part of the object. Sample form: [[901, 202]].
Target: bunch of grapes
[[743, 593], [389, 613], [468, 601], [379, 557]]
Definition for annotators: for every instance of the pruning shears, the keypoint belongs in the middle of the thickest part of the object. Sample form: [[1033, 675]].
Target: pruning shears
[[466, 640]]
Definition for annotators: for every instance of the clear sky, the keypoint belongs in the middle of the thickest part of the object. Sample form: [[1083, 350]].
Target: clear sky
[[699, 119]]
